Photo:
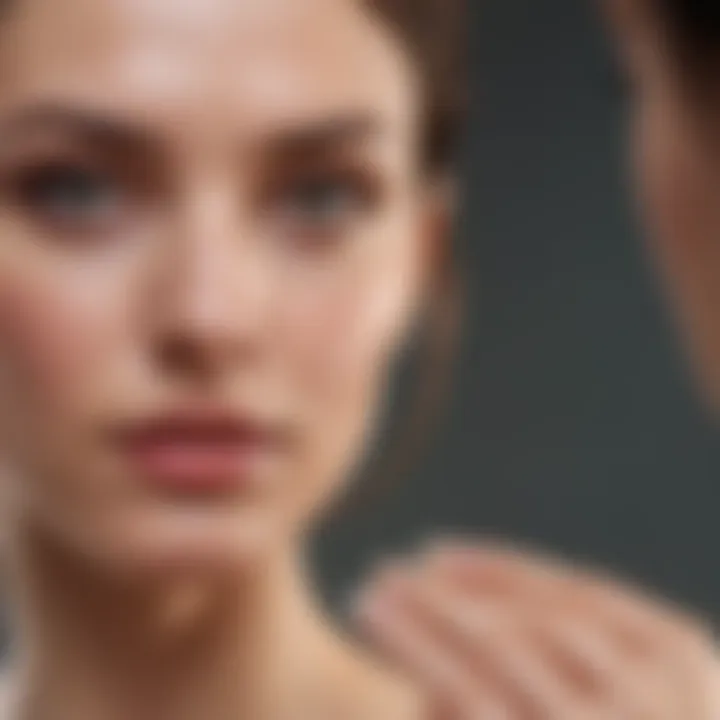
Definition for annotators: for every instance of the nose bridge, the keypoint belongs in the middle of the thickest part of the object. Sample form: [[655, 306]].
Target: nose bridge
[[209, 295]]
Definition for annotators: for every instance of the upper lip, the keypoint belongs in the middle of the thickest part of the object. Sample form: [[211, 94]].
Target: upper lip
[[195, 424]]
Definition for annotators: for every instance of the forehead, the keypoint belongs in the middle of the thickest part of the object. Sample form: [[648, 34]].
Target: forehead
[[252, 63]]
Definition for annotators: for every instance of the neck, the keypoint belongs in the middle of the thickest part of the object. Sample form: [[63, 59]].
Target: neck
[[101, 648]]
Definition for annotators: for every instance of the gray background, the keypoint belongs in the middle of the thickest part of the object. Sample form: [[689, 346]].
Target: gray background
[[574, 426]]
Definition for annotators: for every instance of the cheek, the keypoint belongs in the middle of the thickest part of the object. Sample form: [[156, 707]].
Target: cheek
[[343, 331], [340, 336], [53, 330], [37, 332], [679, 189]]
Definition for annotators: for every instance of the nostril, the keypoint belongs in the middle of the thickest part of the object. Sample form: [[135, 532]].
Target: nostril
[[202, 352], [178, 354]]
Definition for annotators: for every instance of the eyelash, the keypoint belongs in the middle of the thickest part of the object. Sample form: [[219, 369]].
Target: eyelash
[[31, 187], [362, 192], [314, 205]]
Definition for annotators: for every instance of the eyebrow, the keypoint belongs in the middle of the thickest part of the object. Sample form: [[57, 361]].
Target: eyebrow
[[94, 126], [296, 142], [289, 142]]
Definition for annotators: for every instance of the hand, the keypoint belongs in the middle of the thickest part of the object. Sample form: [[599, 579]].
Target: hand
[[490, 634]]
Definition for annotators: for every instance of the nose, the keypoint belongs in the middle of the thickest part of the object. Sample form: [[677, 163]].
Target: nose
[[208, 311]]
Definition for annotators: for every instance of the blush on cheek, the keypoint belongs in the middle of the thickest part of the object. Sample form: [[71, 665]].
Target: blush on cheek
[[47, 338]]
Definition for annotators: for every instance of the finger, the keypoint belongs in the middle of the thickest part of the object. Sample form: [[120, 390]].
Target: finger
[[457, 692], [641, 619], [657, 686], [697, 675], [551, 578], [489, 643], [539, 670], [608, 676], [666, 666], [489, 567]]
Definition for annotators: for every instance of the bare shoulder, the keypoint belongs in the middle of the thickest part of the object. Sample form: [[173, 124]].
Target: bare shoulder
[[394, 698], [375, 690]]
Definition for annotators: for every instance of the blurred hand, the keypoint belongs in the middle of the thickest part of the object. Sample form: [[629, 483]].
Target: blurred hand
[[490, 634]]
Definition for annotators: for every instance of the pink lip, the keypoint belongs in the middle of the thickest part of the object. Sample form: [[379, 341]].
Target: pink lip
[[197, 452]]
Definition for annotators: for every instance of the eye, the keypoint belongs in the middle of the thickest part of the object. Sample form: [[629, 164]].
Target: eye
[[68, 194], [324, 200]]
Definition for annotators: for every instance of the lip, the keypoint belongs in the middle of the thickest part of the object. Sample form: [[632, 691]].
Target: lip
[[198, 451]]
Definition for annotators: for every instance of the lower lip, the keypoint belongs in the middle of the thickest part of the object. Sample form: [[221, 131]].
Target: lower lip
[[198, 468]]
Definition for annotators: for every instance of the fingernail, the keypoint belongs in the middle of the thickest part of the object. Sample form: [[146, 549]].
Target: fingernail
[[388, 567], [383, 597], [370, 607]]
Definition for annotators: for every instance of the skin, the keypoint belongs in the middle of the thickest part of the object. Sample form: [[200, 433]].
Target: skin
[[240, 218], [498, 632]]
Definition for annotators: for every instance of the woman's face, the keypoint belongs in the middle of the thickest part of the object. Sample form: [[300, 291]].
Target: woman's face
[[208, 208], [676, 150]]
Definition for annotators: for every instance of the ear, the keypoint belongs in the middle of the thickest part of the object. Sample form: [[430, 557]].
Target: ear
[[439, 216], [432, 251]]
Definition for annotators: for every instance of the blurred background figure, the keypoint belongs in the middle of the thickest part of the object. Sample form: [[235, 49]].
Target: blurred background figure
[[670, 57]]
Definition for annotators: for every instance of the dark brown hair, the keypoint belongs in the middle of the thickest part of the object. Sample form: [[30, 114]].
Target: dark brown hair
[[694, 30], [434, 32]]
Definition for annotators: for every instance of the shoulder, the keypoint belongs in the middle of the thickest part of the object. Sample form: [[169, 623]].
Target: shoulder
[[376, 690], [395, 699]]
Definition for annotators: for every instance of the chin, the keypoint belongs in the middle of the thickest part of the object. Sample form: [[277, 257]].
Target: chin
[[169, 543]]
